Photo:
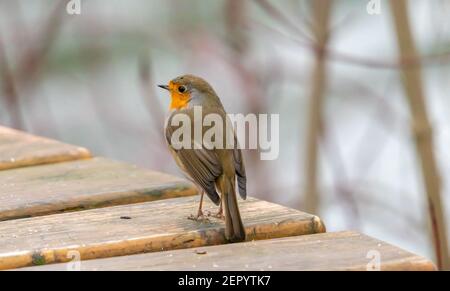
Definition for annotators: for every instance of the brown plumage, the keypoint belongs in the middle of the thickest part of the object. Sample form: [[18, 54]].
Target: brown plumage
[[210, 169]]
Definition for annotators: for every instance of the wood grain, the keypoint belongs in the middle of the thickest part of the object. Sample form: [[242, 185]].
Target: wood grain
[[329, 251], [83, 184], [19, 149], [150, 227]]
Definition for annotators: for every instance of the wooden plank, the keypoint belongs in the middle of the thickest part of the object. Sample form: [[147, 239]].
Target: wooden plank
[[80, 185], [150, 227], [19, 149], [328, 251]]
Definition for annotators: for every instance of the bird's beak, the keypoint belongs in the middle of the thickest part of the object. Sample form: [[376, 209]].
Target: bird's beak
[[164, 87]]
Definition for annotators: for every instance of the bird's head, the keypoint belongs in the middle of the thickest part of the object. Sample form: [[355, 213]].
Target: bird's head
[[190, 90]]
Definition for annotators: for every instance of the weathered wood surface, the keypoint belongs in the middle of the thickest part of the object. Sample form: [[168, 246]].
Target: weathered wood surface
[[83, 184], [19, 149], [148, 227], [328, 251]]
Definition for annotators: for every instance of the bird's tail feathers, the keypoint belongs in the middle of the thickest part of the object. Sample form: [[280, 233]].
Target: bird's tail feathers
[[234, 228]]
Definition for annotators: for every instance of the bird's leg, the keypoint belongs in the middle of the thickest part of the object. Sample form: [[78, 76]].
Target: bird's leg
[[200, 215], [200, 212], [219, 214]]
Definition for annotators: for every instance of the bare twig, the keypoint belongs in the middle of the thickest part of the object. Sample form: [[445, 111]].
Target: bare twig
[[322, 11], [422, 131], [10, 91], [33, 59], [235, 20]]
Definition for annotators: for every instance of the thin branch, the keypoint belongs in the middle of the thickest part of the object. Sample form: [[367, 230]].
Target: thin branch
[[34, 58], [422, 131], [235, 19], [322, 11], [10, 90]]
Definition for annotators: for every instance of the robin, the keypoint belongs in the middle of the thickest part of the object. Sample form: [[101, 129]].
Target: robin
[[210, 169]]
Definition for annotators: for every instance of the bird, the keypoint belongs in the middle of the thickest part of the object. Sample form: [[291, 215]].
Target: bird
[[214, 169]]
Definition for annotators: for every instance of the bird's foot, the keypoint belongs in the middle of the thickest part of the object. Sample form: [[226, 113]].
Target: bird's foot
[[218, 215], [199, 217]]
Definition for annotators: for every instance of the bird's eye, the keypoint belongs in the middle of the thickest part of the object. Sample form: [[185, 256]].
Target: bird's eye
[[182, 89]]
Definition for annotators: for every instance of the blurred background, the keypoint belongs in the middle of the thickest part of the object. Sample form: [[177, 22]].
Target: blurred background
[[347, 152]]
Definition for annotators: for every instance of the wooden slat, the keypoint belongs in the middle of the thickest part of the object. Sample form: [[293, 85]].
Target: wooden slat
[[329, 251], [152, 226], [83, 184], [19, 149]]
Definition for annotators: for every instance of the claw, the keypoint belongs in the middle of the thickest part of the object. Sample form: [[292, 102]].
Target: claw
[[199, 217]]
